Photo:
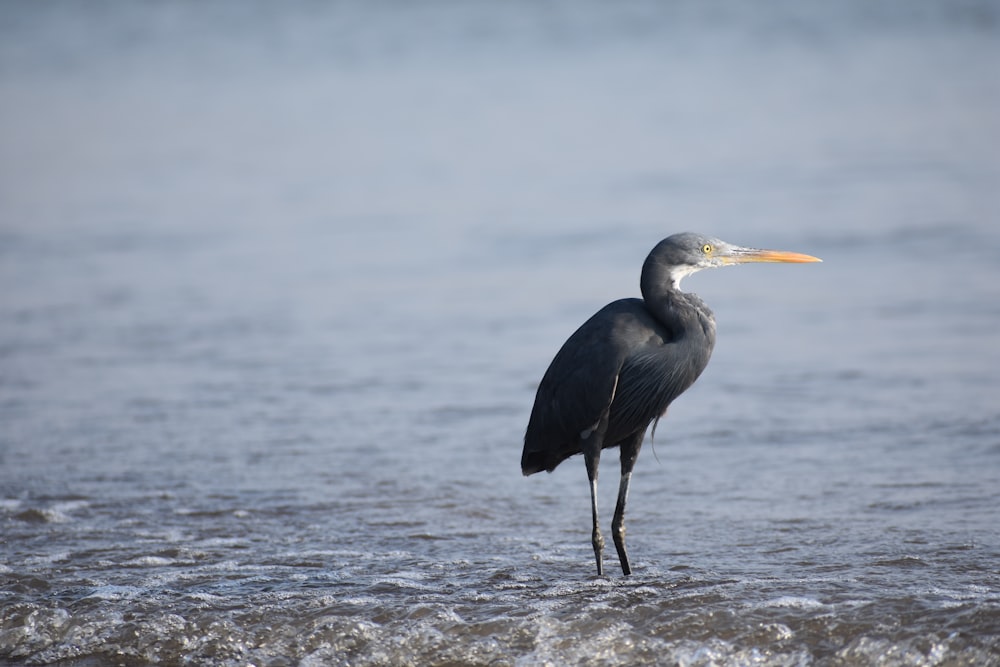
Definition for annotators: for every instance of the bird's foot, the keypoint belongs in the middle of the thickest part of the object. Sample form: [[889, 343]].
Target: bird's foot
[[598, 541]]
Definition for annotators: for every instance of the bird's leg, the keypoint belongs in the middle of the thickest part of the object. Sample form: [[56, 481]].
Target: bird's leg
[[592, 456], [629, 453], [593, 459]]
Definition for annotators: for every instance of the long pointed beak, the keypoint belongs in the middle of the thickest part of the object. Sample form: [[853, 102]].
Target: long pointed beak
[[738, 255]]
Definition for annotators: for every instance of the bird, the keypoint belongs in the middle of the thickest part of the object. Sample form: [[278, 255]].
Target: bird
[[621, 369]]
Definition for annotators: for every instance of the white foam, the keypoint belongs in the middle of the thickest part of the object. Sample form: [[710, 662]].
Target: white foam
[[149, 561], [70, 505], [10, 504], [793, 602]]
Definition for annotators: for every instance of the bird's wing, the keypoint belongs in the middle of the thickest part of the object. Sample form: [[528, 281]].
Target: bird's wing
[[651, 377], [574, 394], [580, 384]]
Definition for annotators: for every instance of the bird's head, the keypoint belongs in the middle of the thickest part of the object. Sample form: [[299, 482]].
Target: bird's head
[[680, 255]]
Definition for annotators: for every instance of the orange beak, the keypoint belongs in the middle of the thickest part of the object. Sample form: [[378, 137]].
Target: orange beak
[[738, 255]]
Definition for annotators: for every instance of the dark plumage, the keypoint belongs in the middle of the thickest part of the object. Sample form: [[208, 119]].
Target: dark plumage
[[624, 366]]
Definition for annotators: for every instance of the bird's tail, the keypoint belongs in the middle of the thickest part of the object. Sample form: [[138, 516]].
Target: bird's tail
[[534, 459], [532, 462]]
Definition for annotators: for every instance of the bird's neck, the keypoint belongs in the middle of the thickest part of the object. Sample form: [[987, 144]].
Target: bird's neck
[[678, 310], [657, 277]]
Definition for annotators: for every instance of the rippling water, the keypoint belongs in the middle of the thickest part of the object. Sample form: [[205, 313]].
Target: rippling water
[[278, 286]]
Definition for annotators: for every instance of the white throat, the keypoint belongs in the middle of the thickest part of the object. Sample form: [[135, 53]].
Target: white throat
[[677, 273]]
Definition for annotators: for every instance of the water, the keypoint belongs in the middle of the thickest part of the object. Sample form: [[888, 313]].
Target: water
[[278, 285]]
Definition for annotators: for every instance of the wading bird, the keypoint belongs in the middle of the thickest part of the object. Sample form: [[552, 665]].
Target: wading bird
[[623, 367]]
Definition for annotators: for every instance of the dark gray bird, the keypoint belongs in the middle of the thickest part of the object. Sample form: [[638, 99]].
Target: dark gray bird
[[620, 371]]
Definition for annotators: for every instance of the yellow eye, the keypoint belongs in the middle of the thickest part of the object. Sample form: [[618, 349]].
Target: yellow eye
[[707, 248]]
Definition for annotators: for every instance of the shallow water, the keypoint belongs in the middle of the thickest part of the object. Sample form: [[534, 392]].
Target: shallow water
[[279, 286]]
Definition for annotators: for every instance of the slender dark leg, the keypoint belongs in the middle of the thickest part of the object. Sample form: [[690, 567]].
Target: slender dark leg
[[592, 457], [630, 452]]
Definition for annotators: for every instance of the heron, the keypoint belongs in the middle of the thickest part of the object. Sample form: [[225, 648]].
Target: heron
[[619, 372]]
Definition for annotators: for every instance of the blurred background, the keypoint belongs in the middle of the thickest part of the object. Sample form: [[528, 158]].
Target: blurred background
[[282, 278]]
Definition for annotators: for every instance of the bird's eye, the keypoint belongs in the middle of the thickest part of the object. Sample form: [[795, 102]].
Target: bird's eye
[[707, 248]]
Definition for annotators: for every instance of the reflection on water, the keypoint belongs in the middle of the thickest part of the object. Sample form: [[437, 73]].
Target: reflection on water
[[278, 286]]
